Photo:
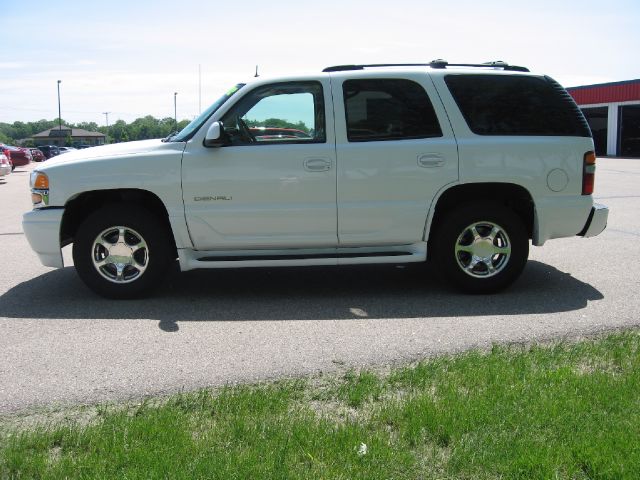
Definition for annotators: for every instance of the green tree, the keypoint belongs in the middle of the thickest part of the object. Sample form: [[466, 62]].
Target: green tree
[[118, 131], [89, 126], [5, 138], [166, 126], [21, 130], [140, 129]]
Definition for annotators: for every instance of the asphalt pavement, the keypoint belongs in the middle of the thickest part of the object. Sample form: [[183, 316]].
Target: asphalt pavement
[[60, 344]]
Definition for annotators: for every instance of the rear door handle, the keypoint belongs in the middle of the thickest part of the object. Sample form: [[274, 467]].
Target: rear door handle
[[430, 160], [316, 164]]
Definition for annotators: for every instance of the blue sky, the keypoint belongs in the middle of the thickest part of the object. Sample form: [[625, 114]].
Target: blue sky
[[129, 57]]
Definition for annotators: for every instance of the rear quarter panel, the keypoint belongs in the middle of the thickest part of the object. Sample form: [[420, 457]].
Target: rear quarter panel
[[548, 167]]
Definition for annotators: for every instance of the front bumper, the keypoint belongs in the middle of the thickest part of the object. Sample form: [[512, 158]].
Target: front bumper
[[42, 229], [596, 222]]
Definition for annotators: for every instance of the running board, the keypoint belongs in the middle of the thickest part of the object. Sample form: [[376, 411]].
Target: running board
[[191, 259]]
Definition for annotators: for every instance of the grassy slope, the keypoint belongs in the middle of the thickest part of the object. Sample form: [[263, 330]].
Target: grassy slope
[[566, 411]]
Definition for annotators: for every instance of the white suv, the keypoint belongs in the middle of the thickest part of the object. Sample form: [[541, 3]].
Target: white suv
[[461, 164]]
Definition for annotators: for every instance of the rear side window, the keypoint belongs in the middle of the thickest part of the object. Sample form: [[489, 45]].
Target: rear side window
[[516, 105], [388, 109]]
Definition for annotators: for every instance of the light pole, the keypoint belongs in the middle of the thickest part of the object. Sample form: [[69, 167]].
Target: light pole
[[106, 114], [59, 111], [175, 109]]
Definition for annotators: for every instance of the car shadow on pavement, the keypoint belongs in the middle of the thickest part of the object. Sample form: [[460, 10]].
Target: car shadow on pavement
[[308, 293]]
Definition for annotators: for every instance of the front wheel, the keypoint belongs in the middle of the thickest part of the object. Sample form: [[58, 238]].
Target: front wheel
[[481, 248], [122, 251]]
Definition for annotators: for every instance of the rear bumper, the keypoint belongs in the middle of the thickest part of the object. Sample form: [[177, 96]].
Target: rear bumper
[[596, 222], [42, 229]]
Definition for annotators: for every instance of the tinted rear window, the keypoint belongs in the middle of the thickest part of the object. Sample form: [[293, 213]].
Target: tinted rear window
[[516, 105]]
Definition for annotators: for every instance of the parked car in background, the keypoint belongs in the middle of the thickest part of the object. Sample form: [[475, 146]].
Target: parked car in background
[[27, 152], [5, 165], [49, 150], [37, 155], [66, 149], [18, 156]]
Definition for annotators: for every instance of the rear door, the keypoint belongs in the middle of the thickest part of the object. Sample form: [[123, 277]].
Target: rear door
[[395, 151]]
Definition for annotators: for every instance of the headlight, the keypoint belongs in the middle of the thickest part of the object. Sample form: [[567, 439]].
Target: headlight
[[39, 183]]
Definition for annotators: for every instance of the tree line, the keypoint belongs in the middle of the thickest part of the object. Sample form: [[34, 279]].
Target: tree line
[[140, 129], [120, 131]]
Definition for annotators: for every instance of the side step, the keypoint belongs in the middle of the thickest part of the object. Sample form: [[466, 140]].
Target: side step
[[191, 259]]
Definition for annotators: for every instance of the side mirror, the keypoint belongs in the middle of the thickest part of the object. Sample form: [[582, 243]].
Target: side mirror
[[216, 136]]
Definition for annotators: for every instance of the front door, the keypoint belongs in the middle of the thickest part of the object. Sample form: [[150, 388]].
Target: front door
[[274, 184]]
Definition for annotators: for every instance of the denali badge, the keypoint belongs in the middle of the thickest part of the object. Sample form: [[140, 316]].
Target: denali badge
[[211, 199]]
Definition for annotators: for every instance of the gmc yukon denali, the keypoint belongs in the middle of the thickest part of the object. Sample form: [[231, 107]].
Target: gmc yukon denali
[[460, 164]]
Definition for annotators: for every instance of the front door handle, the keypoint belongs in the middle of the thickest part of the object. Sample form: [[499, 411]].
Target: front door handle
[[316, 164], [430, 160]]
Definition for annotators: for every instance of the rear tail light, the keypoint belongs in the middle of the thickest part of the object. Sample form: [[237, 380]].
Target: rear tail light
[[588, 173]]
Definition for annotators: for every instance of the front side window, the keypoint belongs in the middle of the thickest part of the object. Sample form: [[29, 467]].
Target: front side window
[[388, 109], [291, 112]]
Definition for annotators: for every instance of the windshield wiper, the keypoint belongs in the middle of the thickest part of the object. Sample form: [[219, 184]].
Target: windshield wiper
[[170, 136]]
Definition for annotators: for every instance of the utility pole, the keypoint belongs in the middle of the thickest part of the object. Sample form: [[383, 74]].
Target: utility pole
[[106, 114], [175, 109], [199, 90], [59, 111]]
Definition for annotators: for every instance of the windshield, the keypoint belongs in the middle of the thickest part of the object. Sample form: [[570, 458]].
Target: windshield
[[187, 132]]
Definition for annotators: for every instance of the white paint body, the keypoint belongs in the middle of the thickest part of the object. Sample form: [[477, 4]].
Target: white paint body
[[373, 197]]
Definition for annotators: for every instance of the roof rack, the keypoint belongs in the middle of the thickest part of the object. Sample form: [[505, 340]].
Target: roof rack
[[433, 64]]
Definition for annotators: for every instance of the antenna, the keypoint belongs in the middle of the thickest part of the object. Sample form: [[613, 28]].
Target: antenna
[[256, 75]]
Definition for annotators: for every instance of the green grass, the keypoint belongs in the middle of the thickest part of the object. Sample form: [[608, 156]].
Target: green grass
[[561, 411]]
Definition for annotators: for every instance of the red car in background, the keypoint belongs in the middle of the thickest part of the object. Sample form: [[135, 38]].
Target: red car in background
[[18, 156], [37, 155]]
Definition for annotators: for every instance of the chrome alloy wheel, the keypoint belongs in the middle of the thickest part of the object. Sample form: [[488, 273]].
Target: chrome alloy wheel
[[120, 254], [483, 249]]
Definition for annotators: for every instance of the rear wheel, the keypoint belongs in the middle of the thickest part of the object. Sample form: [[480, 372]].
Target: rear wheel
[[481, 248], [122, 251]]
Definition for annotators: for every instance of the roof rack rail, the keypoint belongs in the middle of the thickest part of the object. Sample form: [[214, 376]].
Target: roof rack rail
[[433, 64]]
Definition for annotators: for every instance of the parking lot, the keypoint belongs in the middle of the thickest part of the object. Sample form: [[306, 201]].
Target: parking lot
[[61, 344]]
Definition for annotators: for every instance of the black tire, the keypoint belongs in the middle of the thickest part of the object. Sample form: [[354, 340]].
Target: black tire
[[487, 259], [142, 232]]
